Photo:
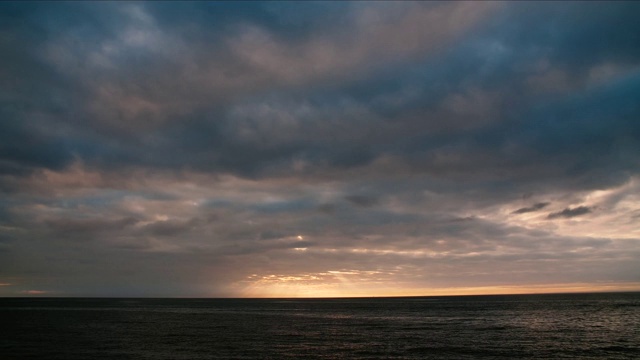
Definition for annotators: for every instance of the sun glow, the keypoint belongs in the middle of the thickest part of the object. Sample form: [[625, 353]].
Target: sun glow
[[355, 283], [333, 283]]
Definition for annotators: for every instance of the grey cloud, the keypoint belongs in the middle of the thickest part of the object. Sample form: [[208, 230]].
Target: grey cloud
[[127, 61], [170, 227], [532, 208], [259, 138], [78, 227], [570, 212], [374, 36], [362, 200], [330, 208], [262, 247]]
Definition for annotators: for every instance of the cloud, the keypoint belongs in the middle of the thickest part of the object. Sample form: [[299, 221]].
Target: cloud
[[195, 120], [532, 208], [361, 200], [79, 227], [379, 34], [570, 212], [170, 227], [170, 149]]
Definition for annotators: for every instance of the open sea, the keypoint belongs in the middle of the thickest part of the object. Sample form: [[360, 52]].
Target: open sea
[[570, 326]]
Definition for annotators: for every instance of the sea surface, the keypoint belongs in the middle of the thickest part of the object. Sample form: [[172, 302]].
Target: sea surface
[[569, 326]]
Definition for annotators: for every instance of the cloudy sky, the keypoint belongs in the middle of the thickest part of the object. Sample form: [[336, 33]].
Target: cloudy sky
[[318, 149]]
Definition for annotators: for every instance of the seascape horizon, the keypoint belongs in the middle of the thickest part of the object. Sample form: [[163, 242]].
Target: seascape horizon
[[319, 179]]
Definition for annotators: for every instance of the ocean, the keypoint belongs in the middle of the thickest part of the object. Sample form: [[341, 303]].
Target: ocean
[[558, 326]]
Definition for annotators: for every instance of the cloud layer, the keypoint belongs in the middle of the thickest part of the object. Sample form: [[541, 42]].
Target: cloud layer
[[318, 149]]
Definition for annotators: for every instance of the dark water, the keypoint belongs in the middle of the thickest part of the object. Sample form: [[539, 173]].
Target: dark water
[[576, 326]]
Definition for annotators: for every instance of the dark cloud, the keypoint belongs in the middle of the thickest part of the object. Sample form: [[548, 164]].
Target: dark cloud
[[171, 227], [532, 208], [570, 212], [362, 200], [142, 120], [67, 227], [327, 208]]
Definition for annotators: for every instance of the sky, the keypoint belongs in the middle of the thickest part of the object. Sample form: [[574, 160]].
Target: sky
[[318, 149]]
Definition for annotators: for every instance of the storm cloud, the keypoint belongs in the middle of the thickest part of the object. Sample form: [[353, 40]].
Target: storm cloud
[[318, 149]]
